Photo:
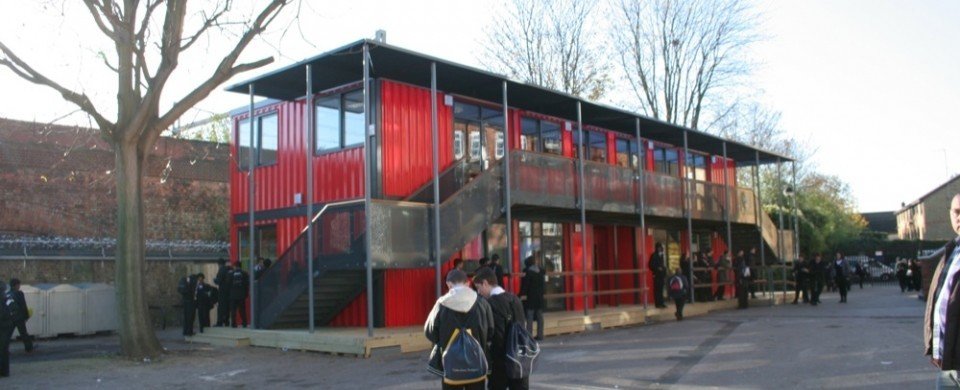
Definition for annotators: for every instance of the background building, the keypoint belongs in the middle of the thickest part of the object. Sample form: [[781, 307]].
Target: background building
[[927, 218]]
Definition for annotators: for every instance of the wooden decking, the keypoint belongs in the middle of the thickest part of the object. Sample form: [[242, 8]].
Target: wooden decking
[[354, 341]]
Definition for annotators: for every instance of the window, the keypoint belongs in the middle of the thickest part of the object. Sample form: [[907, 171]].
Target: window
[[339, 121], [598, 146], [627, 153], [666, 161], [540, 136], [265, 133], [266, 243], [696, 167], [483, 129]]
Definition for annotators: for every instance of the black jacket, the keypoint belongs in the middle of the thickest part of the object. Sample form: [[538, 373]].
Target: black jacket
[[187, 288], [459, 306], [506, 309], [22, 303], [206, 296], [657, 265], [223, 281], [498, 270], [951, 349], [533, 287], [239, 284]]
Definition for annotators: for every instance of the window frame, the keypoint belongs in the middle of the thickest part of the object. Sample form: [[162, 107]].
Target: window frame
[[541, 145], [259, 139], [341, 97]]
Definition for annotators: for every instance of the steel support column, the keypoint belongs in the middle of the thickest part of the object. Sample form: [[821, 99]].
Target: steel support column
[[583, 207], [726, 198], [780, 250], [641, 185], [308, 136], [367, 180], [506, 184], [796, 214], [690, 187], [434, 140], [760, 215], [251, 239]]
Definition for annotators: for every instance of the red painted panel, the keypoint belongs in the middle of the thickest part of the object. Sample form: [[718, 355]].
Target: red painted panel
[[354, 314], [574, 252], [645, 252], [627, 260], [406, 136], [603, 249]]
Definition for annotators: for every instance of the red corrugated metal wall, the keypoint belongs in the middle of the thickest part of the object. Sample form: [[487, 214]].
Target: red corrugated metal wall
[[603, 250], [626, 257], [574, 254]]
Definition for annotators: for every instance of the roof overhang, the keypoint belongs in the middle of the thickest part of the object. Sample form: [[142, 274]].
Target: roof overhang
[[345, 65]]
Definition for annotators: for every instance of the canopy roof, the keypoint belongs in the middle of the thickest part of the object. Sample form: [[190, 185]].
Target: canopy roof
[[344, 65]]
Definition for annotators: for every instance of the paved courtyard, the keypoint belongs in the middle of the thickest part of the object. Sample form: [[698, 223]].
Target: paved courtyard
[[873, 341]]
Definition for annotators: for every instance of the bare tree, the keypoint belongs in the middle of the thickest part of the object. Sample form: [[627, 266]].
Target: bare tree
[[149, 39], [677, 55], [549, 43]]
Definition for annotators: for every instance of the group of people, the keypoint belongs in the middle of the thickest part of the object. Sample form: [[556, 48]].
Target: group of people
[[909, 274], [681, 289], [812, 276], [14, 315], [229, 295], [487, 312]]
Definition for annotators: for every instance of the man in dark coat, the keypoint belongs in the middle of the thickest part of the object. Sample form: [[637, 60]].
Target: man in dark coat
[[941, 325], [239, 287], [841, 274], [800, 286], [6, 331], [506, 309], [497, 269], [188, 298], [21, 324], [750, 260], [223, 282], [459, 306], [658, 266], [532, 288], [723, 275], [817, 278], [206, 298], [742, 275]]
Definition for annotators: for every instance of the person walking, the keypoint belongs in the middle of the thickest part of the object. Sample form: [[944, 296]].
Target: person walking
[[818, 277], [223, 282], [749, 262], [239, 288], [21, 323], [723, 275], [841, 276], [677, 288], [507, 310], [206, 297], [459, 308], [687, 271], [658, 266], [742, 273], [188, 298], [861, 273], [6, 331], [902, 274], [800, 286], [532, 288], [941, 320]]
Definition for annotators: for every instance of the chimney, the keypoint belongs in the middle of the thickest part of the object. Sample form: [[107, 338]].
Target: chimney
[[381, 36]]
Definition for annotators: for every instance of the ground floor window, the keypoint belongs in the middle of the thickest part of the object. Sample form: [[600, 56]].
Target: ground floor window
[[544, 241], [266, 243]]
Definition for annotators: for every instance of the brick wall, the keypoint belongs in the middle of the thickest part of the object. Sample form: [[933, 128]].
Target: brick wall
[[57, 181]]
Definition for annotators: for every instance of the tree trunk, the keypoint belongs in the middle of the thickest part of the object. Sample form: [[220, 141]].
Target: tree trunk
[[137, 338]]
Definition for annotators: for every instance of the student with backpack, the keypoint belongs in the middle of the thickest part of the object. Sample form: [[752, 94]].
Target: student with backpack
[[512, 350], [677, 289], [460, 327]]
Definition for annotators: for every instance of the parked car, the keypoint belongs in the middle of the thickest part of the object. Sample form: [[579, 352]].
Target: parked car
[[877, 270]]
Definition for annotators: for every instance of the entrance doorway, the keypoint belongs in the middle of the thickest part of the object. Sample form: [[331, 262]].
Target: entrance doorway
[[544, 241]]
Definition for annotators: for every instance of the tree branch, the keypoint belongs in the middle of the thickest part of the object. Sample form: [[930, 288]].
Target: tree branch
[[26, 72], [207, 23]]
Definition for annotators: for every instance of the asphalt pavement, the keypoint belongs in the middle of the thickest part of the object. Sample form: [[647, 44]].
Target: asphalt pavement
[[874, 341]]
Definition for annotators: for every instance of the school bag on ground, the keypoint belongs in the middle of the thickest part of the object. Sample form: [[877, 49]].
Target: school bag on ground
[[521, 349]]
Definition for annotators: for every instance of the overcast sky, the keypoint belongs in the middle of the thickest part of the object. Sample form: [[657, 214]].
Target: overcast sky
[[870, 85]]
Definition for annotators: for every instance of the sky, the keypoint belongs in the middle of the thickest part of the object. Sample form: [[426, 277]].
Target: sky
[[869, 85]]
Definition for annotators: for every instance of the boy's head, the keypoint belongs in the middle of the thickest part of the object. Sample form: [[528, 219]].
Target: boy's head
[[485, 280], [495, 259], [15, 284], [456, 278]]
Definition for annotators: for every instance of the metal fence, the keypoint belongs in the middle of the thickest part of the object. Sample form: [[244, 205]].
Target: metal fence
[[104, 248]]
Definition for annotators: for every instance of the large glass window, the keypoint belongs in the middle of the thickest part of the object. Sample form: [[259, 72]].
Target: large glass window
[[540, 136], [696, 167], [627, 153], [666, 161], [598, 146], [265, 147], [482, 129], [339, 121], [544, 241], [266, 243]]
